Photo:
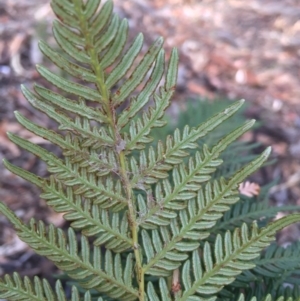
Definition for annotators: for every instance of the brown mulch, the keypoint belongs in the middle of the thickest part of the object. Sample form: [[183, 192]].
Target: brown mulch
[[228, 48]]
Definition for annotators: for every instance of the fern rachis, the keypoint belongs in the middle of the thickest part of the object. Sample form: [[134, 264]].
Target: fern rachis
[[144, 213]]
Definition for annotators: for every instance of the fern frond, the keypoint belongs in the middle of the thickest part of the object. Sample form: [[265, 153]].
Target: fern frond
[[80, 126], [69, 86], [14, 288], [89, 218], [80, 109], [276, 264], [71, 174], [100, 45], [86, 217], [215, 197], [66, 65], [143, 211], [261, 286], [249, 211], [233, 254], [85, 155], [89, 268], [160, 162], [128, 59], [138, 102], [139, 73], [270, 294], [236, 156], [164, 251], [167, 248], [140, 129], [95, 42], [288, 292]]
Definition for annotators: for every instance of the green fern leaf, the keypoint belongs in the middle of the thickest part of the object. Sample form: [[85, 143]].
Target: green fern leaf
[[175, 150], [166, 251], [68, 86], [275, 265], [64, 64], [72, 175], [144, 212], [80, 109], [267, 298], [126, 62], [220, 189], [15, 289], [79, 127], [249, 211], [139, 73], [107, 277], [88, 218], [233, 254], [163, 289], [138, 102], [140, 129]]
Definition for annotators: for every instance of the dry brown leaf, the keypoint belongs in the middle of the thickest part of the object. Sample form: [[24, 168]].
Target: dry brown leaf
[[249, 189]]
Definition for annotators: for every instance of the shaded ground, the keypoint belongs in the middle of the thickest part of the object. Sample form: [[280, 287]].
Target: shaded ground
[[237, 49]]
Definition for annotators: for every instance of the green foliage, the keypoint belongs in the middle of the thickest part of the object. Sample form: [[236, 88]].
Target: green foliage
[[234, 156], [16, 289], [157, 219]]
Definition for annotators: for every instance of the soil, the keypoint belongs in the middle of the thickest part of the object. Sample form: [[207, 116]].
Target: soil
[[228, 49]]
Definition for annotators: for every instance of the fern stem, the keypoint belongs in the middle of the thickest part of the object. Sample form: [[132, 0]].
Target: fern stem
[[95, 64], [133, 226]]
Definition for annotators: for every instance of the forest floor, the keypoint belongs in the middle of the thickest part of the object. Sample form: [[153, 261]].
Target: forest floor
[[228, 49]]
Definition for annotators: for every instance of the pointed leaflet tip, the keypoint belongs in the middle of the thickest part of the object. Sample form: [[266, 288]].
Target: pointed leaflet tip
[[172, 70], [9, 135], [240, 103], [267, 152], [18, 116], [233, 108], [23, 90], [159, 40], [250, 123], [281, 223]]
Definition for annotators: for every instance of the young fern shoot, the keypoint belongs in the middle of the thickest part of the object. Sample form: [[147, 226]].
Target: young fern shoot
[[143, 213]]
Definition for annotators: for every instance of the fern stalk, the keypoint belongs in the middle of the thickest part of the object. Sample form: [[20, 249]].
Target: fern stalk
[[133, 227]]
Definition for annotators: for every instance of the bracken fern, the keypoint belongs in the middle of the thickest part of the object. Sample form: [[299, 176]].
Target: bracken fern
[[145, 214]]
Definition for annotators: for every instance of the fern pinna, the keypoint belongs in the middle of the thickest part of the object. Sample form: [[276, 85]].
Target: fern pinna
[[144, 220]]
